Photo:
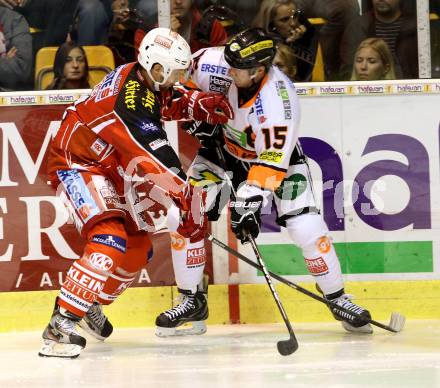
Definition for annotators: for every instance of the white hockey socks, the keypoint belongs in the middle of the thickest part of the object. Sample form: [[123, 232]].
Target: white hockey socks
[[188, 261], [309, 232]]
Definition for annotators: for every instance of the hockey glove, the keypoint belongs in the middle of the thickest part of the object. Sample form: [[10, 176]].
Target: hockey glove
[[193, 219], [212, 108], [245, 217], [208, 135]]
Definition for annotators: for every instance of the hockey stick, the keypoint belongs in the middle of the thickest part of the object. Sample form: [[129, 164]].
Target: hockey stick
[[397, 321], [285, 347]]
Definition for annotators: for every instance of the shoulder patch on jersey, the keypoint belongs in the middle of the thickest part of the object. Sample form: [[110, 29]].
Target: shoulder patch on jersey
[[98, 146], [109, 85], [284, 95]]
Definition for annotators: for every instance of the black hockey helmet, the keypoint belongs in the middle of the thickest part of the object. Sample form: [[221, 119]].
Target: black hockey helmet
[[250, 48]]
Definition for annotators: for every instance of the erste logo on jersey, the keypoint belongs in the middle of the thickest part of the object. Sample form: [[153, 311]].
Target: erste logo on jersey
[[259, 111], [108, 86], [216, 69], [219, 84]]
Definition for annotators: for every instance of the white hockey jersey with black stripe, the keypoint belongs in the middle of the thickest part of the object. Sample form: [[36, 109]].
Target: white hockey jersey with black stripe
[[264, 130]]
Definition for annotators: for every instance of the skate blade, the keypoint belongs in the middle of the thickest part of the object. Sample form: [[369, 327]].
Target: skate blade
[[83, 325], [54, 349], [366, 329], [198, 328]]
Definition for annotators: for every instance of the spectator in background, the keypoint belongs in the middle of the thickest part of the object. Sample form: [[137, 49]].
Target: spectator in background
[[185, 18], [337, 15], [373, 61], [387, 21], [93, 20], [286, 60], [246, 9], [15, 50], [71, 70], [283, 20]]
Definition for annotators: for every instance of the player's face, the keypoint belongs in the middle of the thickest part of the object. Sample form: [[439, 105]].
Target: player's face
[[242, 77], [369, 65], [286, 19], [75, 66], [386, 6], [176, 76], [180, 8]]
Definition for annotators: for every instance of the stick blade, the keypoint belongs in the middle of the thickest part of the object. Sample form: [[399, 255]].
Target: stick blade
[[287, 347], [397, 322]]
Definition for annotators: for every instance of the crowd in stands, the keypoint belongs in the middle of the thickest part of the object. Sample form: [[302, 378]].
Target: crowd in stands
[[353, 40]]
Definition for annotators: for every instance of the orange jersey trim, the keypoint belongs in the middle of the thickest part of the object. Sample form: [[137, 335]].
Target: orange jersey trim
[[239, 151], [265, 177], [190, 84]]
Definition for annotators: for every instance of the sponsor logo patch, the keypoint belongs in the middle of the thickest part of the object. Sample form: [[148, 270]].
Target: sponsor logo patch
[[108, 86], [259, 105], [209, 68], [219, 84], [292, 187], [109, 195], [324, 244], [131, 87], [163, 41], [70, 179], [78, 192], [195, 256], [156, 144], [112, 241], [98, 146], [149, 100], [101, 261], [256, 47], [84, 212], [148, 126], [317, 267], [272, 156], [177, 241]]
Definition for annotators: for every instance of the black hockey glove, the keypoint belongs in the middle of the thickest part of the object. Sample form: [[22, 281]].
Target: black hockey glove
[[206, 134], [245, 217]]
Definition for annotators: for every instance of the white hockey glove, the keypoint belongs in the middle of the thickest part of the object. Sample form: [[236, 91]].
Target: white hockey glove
[[245, 217]]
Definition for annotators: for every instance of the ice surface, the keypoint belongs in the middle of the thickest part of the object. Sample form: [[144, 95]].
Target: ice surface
[[233, 356]]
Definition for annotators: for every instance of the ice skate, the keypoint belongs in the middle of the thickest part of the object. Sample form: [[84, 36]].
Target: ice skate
[[193, 309], [350, 323], [96, 323], [60, 336]]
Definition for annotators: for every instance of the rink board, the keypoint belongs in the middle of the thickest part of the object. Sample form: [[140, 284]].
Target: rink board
[[139, 307]]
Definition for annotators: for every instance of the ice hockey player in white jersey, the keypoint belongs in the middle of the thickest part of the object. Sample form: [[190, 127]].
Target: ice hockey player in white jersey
[[262, 153]]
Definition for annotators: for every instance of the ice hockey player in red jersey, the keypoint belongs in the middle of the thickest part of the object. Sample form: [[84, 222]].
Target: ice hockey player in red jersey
[[110, 147], [261, 150]]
